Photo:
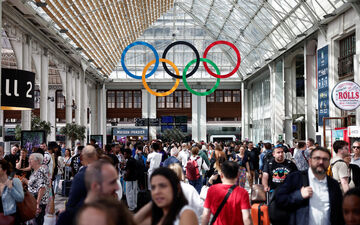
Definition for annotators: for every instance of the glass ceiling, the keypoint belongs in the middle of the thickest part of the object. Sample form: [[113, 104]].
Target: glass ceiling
[[260, 29]]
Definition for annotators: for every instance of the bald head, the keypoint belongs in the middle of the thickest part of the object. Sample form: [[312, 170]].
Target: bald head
[[89, 154]]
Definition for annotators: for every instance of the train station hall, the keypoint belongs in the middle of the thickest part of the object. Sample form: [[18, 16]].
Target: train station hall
[[180, 112]]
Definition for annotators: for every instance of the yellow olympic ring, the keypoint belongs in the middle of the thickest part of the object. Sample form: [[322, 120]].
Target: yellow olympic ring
[[160, 94]]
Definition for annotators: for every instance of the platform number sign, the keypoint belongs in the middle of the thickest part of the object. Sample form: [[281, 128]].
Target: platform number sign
[[17, 88]]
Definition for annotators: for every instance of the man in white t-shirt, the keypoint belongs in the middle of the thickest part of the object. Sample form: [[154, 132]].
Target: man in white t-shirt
[[183, 155], [338, 166], [153, 159]]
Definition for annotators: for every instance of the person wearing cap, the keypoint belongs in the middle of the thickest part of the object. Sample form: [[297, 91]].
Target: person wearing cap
[[276, 170]]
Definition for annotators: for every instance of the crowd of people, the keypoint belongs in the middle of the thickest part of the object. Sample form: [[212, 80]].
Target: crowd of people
[[182, 183]]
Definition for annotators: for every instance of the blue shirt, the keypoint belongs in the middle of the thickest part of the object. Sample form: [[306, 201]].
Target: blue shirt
[[12, 195]]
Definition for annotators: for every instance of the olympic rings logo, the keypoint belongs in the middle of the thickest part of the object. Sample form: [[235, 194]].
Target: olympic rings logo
[[177, 76]]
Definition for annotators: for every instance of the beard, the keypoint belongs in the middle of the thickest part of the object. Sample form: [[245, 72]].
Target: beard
[[320, 170]]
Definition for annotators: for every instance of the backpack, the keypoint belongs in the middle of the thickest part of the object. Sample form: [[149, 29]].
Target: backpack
[[268, 157], [192, 169], [329, 169]]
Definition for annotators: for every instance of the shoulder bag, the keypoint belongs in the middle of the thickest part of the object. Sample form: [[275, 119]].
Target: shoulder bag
[[27, 208], [222, 204]]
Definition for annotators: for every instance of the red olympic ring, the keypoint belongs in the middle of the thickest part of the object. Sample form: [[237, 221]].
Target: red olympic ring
[[237, 54]]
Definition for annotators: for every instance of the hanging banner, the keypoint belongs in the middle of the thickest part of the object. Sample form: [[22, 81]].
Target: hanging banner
[[346, 95], [17, 89], [323, 83]]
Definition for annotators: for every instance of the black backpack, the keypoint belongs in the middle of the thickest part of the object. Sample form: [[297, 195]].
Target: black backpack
[[268, 158]]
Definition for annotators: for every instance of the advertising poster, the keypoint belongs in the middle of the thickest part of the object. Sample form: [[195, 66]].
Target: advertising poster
[[346, 95], [32, 139], [323, 83]]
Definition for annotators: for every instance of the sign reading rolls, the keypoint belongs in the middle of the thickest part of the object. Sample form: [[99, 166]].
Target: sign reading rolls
[[346, 95], [17, 89]]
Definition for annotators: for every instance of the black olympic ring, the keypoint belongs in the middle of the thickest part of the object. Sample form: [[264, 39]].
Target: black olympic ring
[[181, 43]]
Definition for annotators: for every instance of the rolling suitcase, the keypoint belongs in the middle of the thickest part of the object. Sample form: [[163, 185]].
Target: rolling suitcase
[[260, 214], [66, 185]]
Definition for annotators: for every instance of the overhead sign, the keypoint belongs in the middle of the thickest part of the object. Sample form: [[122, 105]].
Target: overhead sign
[[144, 122], [17, 89], [346, 95], [129, 132], [323, 83]]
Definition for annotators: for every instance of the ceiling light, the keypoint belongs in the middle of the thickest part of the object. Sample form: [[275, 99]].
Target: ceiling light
[[41, 4], [329, 15], [301, 35], [63, 31]]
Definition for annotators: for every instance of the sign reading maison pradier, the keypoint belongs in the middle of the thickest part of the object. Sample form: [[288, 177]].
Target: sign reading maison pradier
[[346, 95]]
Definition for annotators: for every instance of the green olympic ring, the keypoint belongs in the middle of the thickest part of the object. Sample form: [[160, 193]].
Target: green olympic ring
[[187, 85]]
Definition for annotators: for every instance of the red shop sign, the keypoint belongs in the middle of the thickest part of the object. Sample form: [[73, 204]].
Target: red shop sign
[[346, 95]]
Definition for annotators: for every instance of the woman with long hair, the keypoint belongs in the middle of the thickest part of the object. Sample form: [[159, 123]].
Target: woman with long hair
[[67, 160], [169, 205], [242, 160]]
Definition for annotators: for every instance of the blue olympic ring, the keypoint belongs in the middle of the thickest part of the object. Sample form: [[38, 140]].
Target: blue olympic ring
[[147, 45]]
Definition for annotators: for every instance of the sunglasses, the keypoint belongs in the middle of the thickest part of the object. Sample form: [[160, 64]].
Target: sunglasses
[[357, 147]]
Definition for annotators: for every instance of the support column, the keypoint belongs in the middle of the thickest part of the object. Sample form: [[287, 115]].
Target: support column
[[288, 103], [277, 100], [52, 114], [44, 87], [198, 122], [149, 109], [357, 61], [22, 49], [68, 98], [103, 112], [244, 112], [84, 95], [94, 111], [310, 88], [84, 105], [78, 94]]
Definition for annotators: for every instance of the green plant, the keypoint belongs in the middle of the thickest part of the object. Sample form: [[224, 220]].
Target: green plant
[[18, 132], [36, 124], [73, 131], [174, 135]]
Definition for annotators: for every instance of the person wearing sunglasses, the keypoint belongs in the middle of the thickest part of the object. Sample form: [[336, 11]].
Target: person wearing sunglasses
[[355, 158]]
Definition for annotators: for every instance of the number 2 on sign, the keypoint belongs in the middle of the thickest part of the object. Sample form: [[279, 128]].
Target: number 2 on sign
[[16, 94]]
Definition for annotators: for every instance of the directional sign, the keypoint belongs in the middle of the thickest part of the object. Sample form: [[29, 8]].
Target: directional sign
[[144, 122]]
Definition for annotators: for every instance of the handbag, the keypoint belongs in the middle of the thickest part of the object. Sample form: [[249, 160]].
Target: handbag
[[27, 208], [49, 219], [6, 220], [222, 204], [258, 194]]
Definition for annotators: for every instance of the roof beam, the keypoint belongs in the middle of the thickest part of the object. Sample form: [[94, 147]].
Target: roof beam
[[203, 25]]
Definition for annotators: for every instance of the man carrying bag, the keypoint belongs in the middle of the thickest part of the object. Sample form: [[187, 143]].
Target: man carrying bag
[[226, 199]]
